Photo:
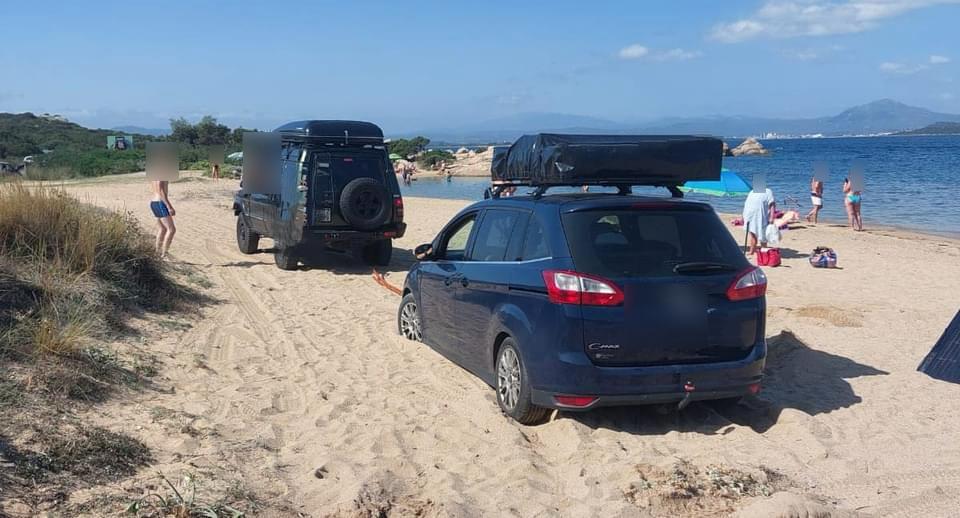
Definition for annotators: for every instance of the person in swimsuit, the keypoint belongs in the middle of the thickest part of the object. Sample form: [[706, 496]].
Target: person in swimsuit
[[851, 200], [215, 173], [816, 198], [163, 210]]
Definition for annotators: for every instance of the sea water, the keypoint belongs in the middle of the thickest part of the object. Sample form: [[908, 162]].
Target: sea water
[[909, 182]]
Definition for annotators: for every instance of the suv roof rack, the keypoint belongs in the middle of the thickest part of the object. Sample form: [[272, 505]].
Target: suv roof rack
[[332, 131]]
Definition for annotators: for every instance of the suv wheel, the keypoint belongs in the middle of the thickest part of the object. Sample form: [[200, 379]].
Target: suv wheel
[[365, 204], [408, 319], [247, 240], [378, 253], [513, 386], [285, 259]]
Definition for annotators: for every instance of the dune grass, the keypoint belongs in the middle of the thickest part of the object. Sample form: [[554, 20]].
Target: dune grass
[[67, 270]]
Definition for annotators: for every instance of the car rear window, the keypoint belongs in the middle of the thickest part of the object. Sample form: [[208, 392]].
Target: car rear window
[[647, 242], [348, 168]]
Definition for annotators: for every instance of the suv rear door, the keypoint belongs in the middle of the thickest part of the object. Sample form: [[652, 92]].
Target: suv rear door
[[674, 263], [332, 171]]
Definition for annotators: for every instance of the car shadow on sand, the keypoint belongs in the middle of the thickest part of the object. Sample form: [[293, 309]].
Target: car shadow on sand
[[335, 262], [796, 376]]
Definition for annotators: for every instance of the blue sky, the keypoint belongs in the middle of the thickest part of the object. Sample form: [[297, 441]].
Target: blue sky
[[416, 64]]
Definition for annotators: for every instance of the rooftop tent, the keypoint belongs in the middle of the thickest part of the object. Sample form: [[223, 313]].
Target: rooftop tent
[[661, 160], [338, 131], [943, 361]]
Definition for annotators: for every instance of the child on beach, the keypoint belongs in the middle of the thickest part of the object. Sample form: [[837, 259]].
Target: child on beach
[[163, 210], [851, 200]]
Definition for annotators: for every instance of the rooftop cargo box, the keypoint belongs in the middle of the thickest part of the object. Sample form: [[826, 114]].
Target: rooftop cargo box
[[549, 159], [341, 132]]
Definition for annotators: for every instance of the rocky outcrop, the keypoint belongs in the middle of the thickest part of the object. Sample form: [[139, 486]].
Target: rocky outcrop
[[750, 146]]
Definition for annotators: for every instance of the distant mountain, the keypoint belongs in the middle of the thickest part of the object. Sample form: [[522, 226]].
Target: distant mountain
[[883, 116], [937, 128], [156, 132]]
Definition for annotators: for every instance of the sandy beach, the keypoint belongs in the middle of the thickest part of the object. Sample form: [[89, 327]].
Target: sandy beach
[[296, 386]]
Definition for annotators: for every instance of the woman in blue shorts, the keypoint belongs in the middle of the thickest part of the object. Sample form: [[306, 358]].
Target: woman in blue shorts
[[163, 210]]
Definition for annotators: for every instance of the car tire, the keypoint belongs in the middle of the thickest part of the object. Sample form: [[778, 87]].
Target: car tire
[[408, 319], [365, 204], [378, 253], [286, 259], [247, 239], [513, 386]]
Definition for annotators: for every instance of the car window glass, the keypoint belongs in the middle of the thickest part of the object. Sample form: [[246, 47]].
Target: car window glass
[[535, 243], [632, 243], [456, 245], [493, 236]]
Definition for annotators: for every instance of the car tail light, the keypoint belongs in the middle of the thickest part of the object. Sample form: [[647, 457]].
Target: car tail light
[[398, 209], [748, 284], [567, 287], [574, 401], [754, 388]]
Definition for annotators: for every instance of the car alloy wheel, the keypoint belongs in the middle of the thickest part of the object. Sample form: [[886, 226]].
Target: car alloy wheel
[[508, 378], [410, 322]]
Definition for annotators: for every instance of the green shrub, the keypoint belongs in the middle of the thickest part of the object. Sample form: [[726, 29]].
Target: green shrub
[[433, 157]]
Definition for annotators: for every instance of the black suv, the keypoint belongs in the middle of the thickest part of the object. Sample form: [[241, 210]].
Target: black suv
[[337, 191]]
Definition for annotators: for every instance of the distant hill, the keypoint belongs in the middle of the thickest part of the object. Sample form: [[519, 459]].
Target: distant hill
[[156, 132], [23, 134], [883, 116], [937, 128]]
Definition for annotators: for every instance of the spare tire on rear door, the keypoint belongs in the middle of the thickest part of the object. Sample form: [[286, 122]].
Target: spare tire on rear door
[[365, 204]]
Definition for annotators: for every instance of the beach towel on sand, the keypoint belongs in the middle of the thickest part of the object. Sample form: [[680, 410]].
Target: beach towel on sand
[[756, 211]]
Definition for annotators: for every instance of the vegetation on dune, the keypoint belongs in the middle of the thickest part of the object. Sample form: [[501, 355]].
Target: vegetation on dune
[[70, 275]]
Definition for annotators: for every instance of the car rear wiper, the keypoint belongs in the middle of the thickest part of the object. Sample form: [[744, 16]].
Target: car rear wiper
[[702, 266]]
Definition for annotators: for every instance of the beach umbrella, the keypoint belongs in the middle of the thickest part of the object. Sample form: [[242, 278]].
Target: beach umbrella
[[729, 184], [394, 156], [235, 156]]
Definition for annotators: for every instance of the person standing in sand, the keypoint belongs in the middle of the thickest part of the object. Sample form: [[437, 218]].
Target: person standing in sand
[[851, 200], [163, 210], [215, 172], [758, 211], [816, 199]]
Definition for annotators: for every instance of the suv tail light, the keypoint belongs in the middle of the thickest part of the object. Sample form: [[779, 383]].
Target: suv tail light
[[568, 287], [397, 209], [748, 284]]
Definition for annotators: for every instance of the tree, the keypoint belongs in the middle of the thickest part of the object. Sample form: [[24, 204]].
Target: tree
[[210, 132], [182, 131], [406, 148]]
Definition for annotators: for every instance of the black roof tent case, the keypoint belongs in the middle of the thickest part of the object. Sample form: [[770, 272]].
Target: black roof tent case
[[336, 131], [548, 159], [943, 361]]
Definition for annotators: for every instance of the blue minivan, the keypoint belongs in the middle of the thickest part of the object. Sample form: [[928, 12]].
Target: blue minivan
[[575, 301]]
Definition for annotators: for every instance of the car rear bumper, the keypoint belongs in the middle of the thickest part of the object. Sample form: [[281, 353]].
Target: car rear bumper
[[615, 386], [313, 235]]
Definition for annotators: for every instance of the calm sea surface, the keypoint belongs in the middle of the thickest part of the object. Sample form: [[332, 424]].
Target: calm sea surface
[[910, 182]]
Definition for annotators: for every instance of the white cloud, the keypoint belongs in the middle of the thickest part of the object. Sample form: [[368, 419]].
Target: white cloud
[[900, 68], [635, 51], [939, 60], [787, 19], [677, 55]]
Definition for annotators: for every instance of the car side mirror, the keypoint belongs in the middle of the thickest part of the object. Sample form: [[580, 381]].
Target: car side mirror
[[423, 252]]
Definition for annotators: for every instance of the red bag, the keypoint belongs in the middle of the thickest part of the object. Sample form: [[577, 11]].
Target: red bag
[[768, 257]]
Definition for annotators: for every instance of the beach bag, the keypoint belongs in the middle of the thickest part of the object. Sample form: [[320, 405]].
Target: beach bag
[[768, 257], [772, 235], [823, 257]]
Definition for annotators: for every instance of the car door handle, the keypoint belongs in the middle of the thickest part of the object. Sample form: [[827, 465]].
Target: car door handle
[[464, 282]]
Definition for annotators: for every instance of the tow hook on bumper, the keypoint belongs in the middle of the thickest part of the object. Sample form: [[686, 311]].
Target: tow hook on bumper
[[689, 388]]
